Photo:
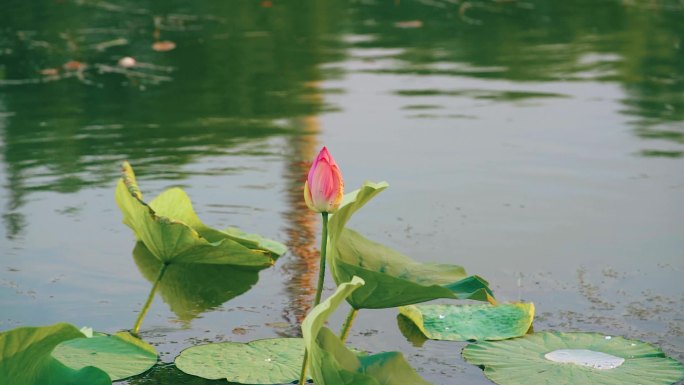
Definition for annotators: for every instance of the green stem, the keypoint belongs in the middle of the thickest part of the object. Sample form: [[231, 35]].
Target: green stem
[[150, 298], [347, 324], [302, 373], [319, 288], [321, 270]]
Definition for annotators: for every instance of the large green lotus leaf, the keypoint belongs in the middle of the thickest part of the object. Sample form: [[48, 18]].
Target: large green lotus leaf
[[120, 355], [175, 203], [597, 360], [471, 322], [269, 361], [191, 289], [331, 363], [393, 279], [25, 358], [165, 226], [351, 203]]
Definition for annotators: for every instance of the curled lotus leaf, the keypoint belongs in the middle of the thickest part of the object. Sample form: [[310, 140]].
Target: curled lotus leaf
[[26, 358], [172, 231], [332, 363], [471, 322], [573, 358]]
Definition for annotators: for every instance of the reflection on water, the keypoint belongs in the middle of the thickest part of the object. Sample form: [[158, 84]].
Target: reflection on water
[[637, 44], [232, 80], [192, 289], [302, 227]]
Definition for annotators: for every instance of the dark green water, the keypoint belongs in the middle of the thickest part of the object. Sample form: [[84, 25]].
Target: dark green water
[[539, 144]]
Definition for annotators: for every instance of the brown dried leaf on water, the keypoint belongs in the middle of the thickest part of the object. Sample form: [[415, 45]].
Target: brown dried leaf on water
[[49, 72], [74, 65], [163, 46], [110, 43], [408, 24]]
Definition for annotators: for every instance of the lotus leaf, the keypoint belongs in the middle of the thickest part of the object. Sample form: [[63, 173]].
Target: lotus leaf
[[392, 279], [331, 363], [411, 332], [529, 360], [471, 322], [268, 361], [191, 289], [120, 355], [173, 233], [25, 358]]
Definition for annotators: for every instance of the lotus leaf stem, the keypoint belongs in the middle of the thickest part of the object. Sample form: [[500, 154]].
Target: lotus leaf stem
[[321, 270], [347, 324], [319, 288], [150, 298]]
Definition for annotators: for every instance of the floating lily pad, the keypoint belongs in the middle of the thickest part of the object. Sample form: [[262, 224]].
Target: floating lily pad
[[471, 322], [331, 363], [573, 358], [192, 289], [25, 358], [268, 361], [120, 355], [173, 233]]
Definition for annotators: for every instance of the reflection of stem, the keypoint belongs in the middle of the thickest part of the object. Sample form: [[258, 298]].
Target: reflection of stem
[[146, 307], [347, 324], [319, 289], [321, 270]]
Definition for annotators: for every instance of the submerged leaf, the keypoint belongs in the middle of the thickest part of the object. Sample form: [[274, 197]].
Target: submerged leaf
[[587, 358], [471, 322], [173, 233], [268, 361], [120, 355], [191, 289], [331, 363], [392, 279], [25, 358]]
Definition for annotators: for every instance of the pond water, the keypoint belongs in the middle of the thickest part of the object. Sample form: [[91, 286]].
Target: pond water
[[540, 145]]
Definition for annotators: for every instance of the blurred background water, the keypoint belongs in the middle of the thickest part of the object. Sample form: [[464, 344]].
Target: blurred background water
[[538, 144]]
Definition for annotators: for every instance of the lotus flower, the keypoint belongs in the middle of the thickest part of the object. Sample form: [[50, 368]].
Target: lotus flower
[[324, 187]]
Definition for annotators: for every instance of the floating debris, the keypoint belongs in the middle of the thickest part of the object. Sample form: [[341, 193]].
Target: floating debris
[[163, 46], [74, 65], [127, 62], [409, 24]]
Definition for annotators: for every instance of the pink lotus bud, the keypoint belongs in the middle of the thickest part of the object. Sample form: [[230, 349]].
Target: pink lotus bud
[[324, 188]]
